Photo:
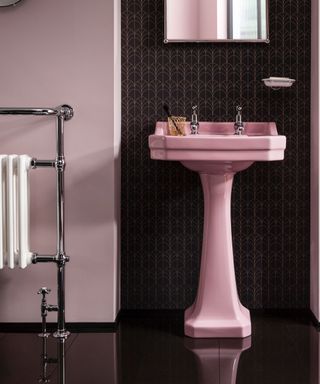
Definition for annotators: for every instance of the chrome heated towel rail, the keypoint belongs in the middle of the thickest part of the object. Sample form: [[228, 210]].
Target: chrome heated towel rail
[[62, 113]]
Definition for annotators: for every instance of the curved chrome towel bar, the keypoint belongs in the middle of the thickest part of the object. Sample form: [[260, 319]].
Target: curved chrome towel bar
[[28, 111], [63, 110]]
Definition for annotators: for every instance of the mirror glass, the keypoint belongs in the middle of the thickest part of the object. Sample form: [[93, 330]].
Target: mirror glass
[[216, 20], [6, 3]]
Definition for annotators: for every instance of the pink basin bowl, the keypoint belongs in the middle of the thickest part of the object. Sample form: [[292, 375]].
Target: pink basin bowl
[[217, 142]]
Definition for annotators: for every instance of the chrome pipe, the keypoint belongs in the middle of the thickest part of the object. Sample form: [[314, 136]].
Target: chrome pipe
[[65, 110], [43, 258], [35, 163], [60, 165], [48, 258], [29, 111], [52, 308], [61, 257], [61, 331]]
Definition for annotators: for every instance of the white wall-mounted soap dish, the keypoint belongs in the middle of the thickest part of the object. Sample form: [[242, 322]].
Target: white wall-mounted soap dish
[[278, 82]]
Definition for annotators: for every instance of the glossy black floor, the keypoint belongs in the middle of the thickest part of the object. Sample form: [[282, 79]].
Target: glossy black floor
[[151, 349]]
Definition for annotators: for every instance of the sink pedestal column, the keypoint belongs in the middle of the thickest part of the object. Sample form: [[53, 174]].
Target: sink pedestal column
[[217, 311]]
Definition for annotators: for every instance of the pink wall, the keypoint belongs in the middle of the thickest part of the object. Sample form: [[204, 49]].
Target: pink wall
[[55, 52], [315, 123]]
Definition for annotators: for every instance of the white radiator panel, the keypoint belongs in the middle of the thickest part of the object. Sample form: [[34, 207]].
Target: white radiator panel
[[11, 211], [3, 233], [14, 215], [24, 254]]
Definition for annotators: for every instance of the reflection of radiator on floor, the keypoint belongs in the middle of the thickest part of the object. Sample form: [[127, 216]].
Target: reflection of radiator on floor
[[14, 211]]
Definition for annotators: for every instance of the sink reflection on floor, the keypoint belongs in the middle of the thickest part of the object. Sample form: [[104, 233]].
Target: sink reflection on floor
[[217, 359], [151, 348]]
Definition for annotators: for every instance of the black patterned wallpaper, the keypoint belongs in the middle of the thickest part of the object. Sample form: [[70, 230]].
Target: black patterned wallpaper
[[162, 203]]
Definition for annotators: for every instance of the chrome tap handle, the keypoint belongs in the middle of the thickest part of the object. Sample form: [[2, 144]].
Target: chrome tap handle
[[44, 291], [239, 114], [194, 109], [194, 125]]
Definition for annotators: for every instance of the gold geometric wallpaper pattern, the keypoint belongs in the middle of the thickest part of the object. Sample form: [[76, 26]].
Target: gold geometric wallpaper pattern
[[162, 202]]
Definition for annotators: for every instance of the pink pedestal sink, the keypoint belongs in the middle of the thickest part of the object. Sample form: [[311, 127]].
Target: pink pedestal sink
[[217, 154]]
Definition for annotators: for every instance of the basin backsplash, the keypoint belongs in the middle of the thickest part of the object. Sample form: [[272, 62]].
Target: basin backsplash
[[162, 203]]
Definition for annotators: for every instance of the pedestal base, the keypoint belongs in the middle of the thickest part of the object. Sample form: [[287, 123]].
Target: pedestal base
[[217, 311], [212, 327]]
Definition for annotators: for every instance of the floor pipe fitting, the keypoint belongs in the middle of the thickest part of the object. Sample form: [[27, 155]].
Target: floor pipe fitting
[[44, 310]]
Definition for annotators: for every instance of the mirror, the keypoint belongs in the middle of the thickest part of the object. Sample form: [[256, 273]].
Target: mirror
[[6, 3], [216, 20]]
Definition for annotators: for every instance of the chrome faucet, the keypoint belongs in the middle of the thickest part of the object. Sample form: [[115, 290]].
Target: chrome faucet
[[194, 125], [238, 125]]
